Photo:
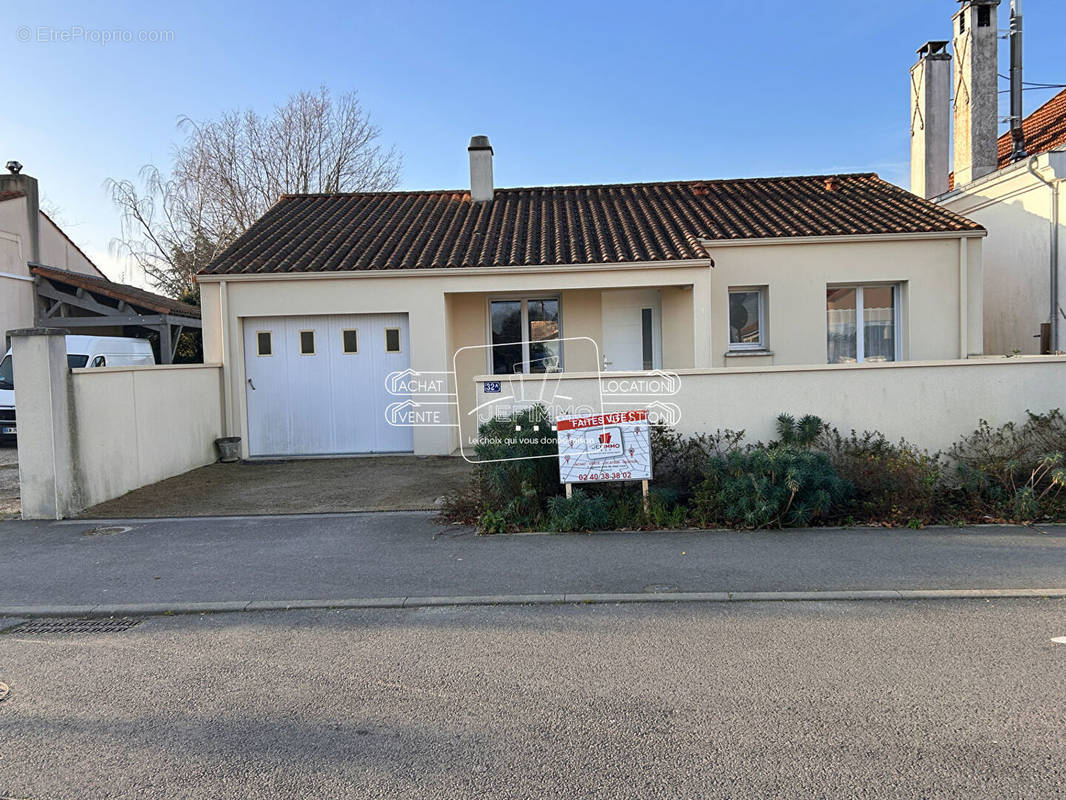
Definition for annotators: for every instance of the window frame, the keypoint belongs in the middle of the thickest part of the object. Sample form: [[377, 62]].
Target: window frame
[[300, 342], [344, 348], [258, 351], [524, 299], [748, 347], [399, 340], [860, 320]]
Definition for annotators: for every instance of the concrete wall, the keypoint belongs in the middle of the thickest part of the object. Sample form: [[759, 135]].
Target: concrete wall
[[1016, 208], [133, 426], [88, 435], [931, 404]]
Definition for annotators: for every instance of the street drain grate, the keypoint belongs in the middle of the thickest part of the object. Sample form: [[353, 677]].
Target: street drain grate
[[107, 530], [103, 625]]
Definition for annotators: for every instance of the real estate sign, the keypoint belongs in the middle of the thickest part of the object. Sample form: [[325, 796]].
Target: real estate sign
[[604, 447]]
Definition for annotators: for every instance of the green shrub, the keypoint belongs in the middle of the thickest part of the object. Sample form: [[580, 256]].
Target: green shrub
[[1014, 471], [678, 460], [518, 470], [580, 512], [801, 433], [773, 486], [894, 483]]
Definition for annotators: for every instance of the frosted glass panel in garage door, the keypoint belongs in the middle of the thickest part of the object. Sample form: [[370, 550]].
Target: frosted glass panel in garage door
[[321, 389]]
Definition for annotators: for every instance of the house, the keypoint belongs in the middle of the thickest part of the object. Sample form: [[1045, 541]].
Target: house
[[47, 281], [1012, 184], [326, 296], [28, 235]]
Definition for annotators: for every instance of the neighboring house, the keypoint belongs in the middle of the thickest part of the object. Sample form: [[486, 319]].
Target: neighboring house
[[1022, 206], [47, 281], [28, 235], [325, 296], [1018, 198]]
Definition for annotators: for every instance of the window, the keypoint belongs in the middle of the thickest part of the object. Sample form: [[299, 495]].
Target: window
[[877, 338], [525, 336], [99, 361], [307, 343], [392, 340], [263, 343], [962, 23], [746, 319], [984, 16], [350, 340], [76, 362]]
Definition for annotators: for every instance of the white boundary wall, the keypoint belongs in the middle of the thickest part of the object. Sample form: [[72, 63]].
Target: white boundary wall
[[931, 404], [133, 426], [88, 435]]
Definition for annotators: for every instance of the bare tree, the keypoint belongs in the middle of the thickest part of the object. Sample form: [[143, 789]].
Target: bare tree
[[229, 171]]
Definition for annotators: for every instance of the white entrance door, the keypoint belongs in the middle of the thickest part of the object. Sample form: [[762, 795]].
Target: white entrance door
[[632, 338], [317, 385]]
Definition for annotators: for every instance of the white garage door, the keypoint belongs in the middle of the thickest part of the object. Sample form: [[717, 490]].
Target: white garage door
[[317, 385]]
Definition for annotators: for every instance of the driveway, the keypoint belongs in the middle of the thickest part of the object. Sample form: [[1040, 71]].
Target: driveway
[[10, 508], [320, 485]]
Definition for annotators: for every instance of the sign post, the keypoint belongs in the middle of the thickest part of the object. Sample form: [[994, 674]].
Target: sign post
[[605, 447]]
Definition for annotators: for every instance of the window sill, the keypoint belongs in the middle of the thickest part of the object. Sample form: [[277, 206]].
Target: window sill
[[748, 353]]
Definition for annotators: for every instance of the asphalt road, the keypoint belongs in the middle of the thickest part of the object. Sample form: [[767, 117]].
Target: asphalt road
[[838, 699], [403, 554]]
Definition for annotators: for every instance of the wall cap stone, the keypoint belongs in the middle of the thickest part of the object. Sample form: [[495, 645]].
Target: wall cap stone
[[38, 332]]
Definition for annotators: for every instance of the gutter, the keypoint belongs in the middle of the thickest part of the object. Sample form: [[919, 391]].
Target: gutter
[[1054, 276]]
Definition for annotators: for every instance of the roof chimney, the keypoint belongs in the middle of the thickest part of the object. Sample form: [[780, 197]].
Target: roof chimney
[[16, 181], [480, 169], [931, 120], [976, 90]]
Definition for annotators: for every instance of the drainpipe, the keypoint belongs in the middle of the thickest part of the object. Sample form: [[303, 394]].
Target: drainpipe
[[1053, 185], [964, 298]]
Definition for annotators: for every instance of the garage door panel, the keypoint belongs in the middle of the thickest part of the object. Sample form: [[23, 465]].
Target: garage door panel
[[329, 401]]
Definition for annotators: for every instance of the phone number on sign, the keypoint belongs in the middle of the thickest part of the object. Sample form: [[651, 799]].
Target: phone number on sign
[[604, 476]]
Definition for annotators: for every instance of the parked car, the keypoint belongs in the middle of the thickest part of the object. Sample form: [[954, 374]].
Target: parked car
[[82, 351]]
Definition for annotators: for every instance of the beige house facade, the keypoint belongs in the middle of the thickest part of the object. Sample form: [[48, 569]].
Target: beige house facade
[[28, 235], [327, 299]]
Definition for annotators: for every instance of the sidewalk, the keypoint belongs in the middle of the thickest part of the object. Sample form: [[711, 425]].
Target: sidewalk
[[403, 555]]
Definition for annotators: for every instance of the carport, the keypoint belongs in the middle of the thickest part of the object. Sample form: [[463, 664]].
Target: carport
[[86, 304]]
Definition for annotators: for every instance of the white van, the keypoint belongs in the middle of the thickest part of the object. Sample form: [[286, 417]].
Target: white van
[[82, 351]]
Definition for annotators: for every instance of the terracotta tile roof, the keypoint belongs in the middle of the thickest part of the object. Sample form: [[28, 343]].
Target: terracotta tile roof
[[560, 225], [1044, 129], [11, 195], [156, 303]]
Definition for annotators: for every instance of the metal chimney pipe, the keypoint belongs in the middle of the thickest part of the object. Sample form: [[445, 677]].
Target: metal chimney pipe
[[1017, 135]]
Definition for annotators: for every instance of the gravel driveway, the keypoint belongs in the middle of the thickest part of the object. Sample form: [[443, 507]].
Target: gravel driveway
[[9, 482]]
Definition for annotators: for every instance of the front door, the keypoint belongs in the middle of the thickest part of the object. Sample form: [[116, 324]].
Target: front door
[[632, 338]]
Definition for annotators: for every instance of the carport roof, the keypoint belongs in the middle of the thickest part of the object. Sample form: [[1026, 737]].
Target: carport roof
[[561, 225], [117, 291]]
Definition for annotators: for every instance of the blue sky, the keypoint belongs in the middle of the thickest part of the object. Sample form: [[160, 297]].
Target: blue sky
[[569, 92]]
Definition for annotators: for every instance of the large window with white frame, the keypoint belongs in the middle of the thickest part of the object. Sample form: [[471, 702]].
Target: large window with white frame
[[863, 323], [525, 335], [747, 319]]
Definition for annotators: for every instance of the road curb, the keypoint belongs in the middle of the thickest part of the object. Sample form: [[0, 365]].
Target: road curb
[[221, 607]]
